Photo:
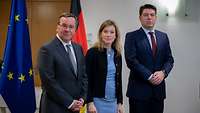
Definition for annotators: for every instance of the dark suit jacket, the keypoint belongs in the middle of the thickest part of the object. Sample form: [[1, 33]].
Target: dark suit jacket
[[140, 61], [60, 84], [96, 66]]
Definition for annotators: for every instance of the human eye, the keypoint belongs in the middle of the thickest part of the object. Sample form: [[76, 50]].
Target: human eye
[[152, 14], [112, 32], [71, 26], [105, 31], [145, 14]]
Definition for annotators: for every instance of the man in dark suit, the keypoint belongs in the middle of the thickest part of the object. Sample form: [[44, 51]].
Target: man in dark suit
[[62, 70], [149, 58]]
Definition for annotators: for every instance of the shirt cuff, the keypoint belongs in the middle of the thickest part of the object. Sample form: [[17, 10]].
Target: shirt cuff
[[70, 105], [164, 72], [150, 77]]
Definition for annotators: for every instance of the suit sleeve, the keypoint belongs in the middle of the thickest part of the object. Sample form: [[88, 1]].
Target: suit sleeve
[[131, 57], [89, 70], [119, 84], [50, 85], [169, 61]]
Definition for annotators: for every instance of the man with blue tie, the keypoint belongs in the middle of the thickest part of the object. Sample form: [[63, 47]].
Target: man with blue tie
[[62, 70], [149, 58]]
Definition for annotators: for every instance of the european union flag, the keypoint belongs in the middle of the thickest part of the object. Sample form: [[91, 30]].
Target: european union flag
[[16, 82]]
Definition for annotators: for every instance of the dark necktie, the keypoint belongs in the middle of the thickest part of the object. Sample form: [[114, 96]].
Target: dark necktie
[[71, 58], [153, 42]]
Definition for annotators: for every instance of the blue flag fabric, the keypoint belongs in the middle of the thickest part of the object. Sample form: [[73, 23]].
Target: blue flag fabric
[[16, 81]]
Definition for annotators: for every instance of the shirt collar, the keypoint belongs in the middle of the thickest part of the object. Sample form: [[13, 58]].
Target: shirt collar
[[147, 30]]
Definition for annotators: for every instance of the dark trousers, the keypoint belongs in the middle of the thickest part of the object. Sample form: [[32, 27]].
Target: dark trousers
[[146, 106]]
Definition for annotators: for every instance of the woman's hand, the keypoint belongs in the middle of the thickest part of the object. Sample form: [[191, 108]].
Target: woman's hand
[[119, 108], [91, 108]]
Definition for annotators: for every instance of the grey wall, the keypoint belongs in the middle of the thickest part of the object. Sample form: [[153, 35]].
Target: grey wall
[[184, 81]]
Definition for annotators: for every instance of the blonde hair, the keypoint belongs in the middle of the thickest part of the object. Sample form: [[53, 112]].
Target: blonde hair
[[117, 42]]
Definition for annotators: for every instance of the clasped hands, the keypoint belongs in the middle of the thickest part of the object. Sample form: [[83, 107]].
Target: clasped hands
[[157, 77], [77, 105]]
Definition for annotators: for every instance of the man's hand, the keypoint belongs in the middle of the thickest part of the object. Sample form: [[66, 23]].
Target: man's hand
[[157, 78], [81, 101], [76, 106], [119, 108]]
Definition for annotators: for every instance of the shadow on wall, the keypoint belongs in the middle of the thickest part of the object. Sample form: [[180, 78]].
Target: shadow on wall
[[186, 11]]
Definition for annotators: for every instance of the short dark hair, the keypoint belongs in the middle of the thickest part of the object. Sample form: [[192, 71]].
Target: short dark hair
[[147, 6], [69, 15]]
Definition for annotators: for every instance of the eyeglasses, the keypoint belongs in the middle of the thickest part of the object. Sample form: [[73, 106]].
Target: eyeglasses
[[70, 27]]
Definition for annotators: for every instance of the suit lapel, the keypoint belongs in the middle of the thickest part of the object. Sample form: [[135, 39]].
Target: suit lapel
[[146, 43], [158, 42]]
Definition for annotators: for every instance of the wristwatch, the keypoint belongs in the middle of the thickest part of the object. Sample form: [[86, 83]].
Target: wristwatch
[[165, 73]]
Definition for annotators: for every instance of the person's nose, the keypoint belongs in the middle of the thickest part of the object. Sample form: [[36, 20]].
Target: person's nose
[[67, 29], [149, 16]]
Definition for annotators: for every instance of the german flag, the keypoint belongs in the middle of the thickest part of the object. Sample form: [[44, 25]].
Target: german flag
[[80, 36]]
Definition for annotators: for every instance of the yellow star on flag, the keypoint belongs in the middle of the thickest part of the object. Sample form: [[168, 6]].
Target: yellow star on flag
[[10, 76], [17, 18], [22, 78], [30, 72]]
